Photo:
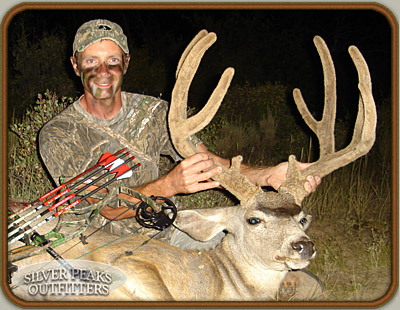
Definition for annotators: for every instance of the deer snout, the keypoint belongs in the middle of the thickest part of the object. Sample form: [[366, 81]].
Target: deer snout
[[304, 247]]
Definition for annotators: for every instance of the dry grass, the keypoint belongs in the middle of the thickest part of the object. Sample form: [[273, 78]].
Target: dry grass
[[352, 232]]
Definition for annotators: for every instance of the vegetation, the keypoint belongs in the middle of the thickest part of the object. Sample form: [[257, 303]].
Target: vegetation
[[26, 174]]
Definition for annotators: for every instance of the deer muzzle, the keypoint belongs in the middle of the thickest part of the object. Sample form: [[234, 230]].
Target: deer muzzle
[[305, 248]]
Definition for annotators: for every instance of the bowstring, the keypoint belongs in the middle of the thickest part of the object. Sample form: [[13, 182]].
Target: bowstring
[[101, 227], [108, 243]]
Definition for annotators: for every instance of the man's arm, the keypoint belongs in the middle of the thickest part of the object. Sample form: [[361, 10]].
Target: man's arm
[[273, 176], [191, 175]]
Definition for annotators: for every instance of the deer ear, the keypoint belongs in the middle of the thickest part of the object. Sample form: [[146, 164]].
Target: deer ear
[[202, 224]]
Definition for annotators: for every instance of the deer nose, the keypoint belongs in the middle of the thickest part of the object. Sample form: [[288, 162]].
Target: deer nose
[[304, 248]]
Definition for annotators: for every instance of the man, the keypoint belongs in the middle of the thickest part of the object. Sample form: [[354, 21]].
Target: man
[[105, 119]]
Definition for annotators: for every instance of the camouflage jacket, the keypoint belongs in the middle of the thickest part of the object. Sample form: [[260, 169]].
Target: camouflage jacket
[[74, 140]]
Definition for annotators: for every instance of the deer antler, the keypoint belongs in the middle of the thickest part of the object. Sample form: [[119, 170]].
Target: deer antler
[[181, 127], [364, 130]]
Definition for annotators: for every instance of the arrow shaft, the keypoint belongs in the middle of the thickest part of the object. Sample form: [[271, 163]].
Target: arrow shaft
[[25, 216], [118, 170], [105, 164], [62, 201], [112, 169], [79, 176], [11, 233], [16, 238], [93, 191], [102, 163]]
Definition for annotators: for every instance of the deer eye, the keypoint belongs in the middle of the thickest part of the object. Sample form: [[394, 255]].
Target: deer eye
[[253, 220], [303, 221]]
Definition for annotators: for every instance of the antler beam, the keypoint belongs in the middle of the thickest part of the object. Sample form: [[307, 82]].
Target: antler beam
[[364, 130], [181, 127]]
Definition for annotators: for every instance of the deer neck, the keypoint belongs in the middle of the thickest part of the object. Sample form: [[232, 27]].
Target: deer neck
[[242, 279]]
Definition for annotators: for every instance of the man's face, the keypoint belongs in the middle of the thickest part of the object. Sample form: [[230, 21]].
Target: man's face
[[101, 67]]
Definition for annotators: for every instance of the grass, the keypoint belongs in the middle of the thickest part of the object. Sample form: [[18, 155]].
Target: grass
[[352, 232]]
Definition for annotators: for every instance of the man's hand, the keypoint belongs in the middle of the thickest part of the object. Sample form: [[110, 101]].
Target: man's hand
[[312, 181], [275, 176], [192, 175]]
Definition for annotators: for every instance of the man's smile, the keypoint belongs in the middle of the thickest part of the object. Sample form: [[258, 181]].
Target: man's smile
[[103, 85]]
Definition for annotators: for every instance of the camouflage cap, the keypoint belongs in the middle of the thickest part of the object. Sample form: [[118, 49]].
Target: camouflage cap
[[97, 30]]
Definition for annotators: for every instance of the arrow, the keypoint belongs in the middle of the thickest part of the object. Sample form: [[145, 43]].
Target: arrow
[[113, 168], [105, 161], [102, 161], [121, 173]]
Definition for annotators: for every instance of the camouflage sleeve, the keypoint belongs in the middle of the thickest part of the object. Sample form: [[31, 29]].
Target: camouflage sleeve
[[63, 158]]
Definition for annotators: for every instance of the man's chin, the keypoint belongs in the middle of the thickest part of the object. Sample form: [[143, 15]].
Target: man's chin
[[103, 93]]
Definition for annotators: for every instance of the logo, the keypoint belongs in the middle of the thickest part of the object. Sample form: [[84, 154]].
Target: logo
[[53, 281]]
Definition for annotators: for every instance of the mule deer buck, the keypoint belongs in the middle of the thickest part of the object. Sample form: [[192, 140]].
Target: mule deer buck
[[265, 234]]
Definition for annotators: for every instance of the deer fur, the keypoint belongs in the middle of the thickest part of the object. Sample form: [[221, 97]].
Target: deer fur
[[248, 264]]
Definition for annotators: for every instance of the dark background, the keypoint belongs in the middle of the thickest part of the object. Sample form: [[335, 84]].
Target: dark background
[[262, 45]]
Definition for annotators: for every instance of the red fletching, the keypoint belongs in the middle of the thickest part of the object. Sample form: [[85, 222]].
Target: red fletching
[[108, 160], [104, 157], [120, 170]]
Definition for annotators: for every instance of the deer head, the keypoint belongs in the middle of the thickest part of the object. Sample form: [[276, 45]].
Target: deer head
[[281, 209]]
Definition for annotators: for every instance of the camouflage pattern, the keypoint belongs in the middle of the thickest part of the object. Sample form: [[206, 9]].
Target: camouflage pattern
[[74, 140], [96, 30]]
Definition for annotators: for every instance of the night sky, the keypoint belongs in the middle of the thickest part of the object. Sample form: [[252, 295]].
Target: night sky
[[262, 45]]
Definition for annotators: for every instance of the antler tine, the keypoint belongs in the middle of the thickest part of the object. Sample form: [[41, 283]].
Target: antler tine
[[187, 50], [364, 129], [181, 127], [366, 119], [324, 129]]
